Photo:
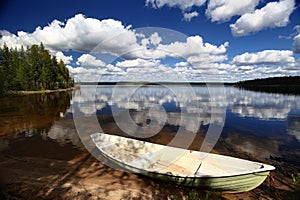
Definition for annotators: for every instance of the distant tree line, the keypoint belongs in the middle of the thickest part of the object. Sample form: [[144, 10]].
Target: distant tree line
[[31, 69], [286, 85]]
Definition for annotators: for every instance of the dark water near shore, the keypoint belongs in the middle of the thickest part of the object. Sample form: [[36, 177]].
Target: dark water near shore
[[253, 125]]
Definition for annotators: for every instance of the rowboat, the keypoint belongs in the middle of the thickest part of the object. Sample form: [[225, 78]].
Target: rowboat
[[181, 166]]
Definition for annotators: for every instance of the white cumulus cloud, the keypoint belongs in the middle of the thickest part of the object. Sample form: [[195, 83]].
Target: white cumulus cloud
[[195, 50], [223, 10], [253, 18], [87, 60], [274, 14], [263, 64], [138, 63], [66, 59], [182, 4], [267, 57], [155, 39], [114, 69], [188, 16], [78, 33]]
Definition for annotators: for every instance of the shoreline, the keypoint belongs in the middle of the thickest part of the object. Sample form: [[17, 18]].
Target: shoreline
[[11, 92]]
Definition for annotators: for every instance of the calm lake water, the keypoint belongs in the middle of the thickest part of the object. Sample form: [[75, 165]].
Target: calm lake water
[[253, 125]]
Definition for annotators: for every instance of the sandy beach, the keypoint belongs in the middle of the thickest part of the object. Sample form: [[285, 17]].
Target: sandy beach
[[62, 172]]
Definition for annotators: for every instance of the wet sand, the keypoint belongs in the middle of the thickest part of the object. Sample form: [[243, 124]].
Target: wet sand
[[61, 171]]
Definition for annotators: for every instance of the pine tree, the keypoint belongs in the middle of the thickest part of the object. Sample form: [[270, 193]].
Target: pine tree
[[22, 71], [13, 69], [45, 77], [34, 66], [54, 73], [5, 65], [33, 69]]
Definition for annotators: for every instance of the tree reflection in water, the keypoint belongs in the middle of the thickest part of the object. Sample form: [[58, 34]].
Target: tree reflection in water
[[31, 114]]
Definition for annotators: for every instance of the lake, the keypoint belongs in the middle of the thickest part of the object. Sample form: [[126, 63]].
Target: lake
[[237, 122], [226, 120]]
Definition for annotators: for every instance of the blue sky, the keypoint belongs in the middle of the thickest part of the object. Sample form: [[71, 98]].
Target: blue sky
[[196, 40]]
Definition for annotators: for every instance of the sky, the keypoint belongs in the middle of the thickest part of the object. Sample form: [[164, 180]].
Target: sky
[[160, 40]]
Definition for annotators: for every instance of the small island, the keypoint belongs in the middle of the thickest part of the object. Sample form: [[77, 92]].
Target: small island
[[32, 70]]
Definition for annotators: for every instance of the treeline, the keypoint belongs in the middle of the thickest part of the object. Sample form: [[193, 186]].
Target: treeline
[[31, 69], [285, 85]]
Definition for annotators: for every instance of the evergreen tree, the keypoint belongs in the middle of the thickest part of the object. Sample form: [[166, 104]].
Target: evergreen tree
[[63, 75], [5, 65], [22, 71], [46, 68], [13, 69], [33, 69], [35, 66], [54, 73]]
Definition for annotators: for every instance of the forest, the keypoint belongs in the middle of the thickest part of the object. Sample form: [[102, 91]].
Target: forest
[[284, 85], [33, 68]]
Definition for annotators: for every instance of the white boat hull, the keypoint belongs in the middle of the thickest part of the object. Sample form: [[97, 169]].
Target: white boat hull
[[181, 166]]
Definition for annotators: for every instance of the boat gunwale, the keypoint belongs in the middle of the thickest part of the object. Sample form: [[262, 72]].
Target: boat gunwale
[[191, 176], [266, 167]]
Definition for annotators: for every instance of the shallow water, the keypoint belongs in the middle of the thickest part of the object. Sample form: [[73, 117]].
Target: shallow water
[[254, 125]]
